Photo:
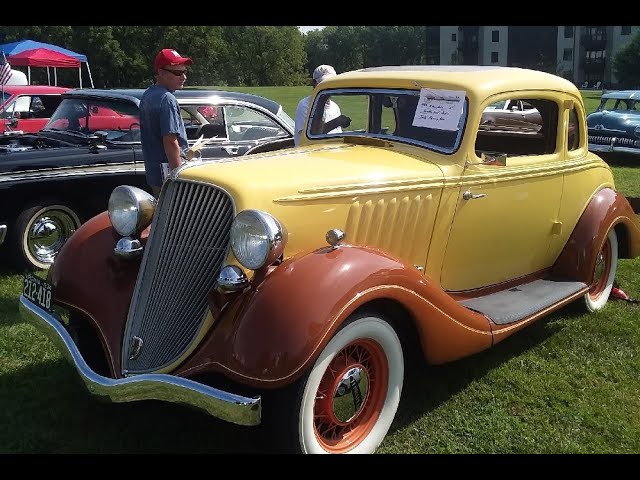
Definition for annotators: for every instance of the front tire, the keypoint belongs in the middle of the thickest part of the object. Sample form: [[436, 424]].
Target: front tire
[[40, 232], [348, 400], [604, 275]]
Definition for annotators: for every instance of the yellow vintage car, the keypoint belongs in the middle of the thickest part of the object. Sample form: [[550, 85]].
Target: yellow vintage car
[[286, 288]]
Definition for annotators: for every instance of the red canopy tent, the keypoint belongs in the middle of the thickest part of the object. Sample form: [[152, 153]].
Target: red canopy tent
[[27, 53], [41, 57]]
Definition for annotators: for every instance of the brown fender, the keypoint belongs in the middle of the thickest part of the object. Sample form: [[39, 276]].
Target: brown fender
[[274, 332], [607, 209], [89, 277]]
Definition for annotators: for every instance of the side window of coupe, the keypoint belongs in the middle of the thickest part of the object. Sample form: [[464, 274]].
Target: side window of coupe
[[529, 129], [573, 130]]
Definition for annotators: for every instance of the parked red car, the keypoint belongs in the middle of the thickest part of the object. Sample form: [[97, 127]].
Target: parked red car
[[27, 108]]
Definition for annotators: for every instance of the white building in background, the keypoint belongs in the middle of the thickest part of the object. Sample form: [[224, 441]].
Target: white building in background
[[578, 53]]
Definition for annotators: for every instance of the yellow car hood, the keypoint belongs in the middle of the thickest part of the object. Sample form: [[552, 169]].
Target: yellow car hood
[[318, 171], [366, 191]]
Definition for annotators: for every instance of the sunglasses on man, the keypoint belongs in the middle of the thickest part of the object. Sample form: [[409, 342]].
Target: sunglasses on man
[[177, 73]]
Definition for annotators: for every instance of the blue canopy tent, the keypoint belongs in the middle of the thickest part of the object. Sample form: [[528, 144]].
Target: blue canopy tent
[[37, 54]]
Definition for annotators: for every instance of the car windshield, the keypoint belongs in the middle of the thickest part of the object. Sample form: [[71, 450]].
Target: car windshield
[[120, 120], [622, 105], [432, 118]]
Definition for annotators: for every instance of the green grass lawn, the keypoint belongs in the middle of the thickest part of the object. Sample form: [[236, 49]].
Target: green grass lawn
[[569, 383]]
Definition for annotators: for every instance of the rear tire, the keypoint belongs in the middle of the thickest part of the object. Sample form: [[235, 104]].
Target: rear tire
[[348, 400], [604, 275], [40, 231]]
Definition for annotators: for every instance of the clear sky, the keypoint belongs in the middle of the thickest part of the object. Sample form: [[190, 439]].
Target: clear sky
[[306, 29]]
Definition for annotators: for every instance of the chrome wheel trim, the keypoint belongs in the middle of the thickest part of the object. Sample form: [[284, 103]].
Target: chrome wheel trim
[[45, 233]]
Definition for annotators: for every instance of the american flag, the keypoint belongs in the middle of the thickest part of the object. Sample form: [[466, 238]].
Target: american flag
[[5, 70]]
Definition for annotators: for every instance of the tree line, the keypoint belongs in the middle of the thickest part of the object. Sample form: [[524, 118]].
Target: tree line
[[122, 56]]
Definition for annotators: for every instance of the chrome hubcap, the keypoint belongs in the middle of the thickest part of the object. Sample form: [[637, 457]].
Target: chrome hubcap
[[350, 394], [601, 266], [48, 232]]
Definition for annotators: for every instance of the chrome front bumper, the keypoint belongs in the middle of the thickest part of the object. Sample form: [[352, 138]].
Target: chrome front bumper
[[152, 386], [613, 149]]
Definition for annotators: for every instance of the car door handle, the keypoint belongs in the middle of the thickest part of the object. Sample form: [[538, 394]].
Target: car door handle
[[472, 196], [231, 150]]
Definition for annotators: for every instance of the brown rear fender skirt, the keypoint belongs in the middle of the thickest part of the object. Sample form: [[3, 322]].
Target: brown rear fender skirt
[[274, 332], [89, 277], [607, 209]]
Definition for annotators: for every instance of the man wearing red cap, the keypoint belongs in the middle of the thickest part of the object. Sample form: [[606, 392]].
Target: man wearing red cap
[[162, 130]]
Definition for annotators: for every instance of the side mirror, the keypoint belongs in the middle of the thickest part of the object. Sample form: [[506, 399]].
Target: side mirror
[[97, 141]]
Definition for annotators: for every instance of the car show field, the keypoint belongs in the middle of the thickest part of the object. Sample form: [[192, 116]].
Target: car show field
[[566, 383]]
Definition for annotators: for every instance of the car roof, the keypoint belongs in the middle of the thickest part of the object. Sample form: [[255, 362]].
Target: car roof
[[622, 94], [16, 89], [184, 95], [479, 81]]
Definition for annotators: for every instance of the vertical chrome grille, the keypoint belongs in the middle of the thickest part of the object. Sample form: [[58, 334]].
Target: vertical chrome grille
[[188, 243]]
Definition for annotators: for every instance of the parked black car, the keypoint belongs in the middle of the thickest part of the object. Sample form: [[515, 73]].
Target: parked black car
[[615, 125], [53, 180]]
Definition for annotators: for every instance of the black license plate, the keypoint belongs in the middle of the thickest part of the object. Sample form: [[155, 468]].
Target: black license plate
[[39, 291]]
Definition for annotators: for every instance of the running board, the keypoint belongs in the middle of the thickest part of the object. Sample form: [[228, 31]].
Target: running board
[[514, 304]]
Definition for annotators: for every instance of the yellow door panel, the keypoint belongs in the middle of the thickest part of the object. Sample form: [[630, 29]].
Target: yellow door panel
[[503, 225]]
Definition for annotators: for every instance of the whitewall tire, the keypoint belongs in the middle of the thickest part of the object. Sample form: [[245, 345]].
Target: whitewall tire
[[352, 392], [604, 275]]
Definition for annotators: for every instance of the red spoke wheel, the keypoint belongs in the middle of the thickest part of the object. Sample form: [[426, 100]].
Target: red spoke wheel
[[352, 392]]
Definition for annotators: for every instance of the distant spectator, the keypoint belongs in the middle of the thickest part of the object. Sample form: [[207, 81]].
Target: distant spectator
[[331, 111]]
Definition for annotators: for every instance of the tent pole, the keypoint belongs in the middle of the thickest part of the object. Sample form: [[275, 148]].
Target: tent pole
[[80, 74], [48, 76], [89, 70], [29, 74], [55, 75]]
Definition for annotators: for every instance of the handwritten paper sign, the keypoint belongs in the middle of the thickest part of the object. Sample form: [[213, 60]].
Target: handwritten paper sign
[[439, 109]]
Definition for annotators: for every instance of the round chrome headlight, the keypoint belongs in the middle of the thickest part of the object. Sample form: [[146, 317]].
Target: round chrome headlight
[[257, 239], [636, 131], [130, 209]]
